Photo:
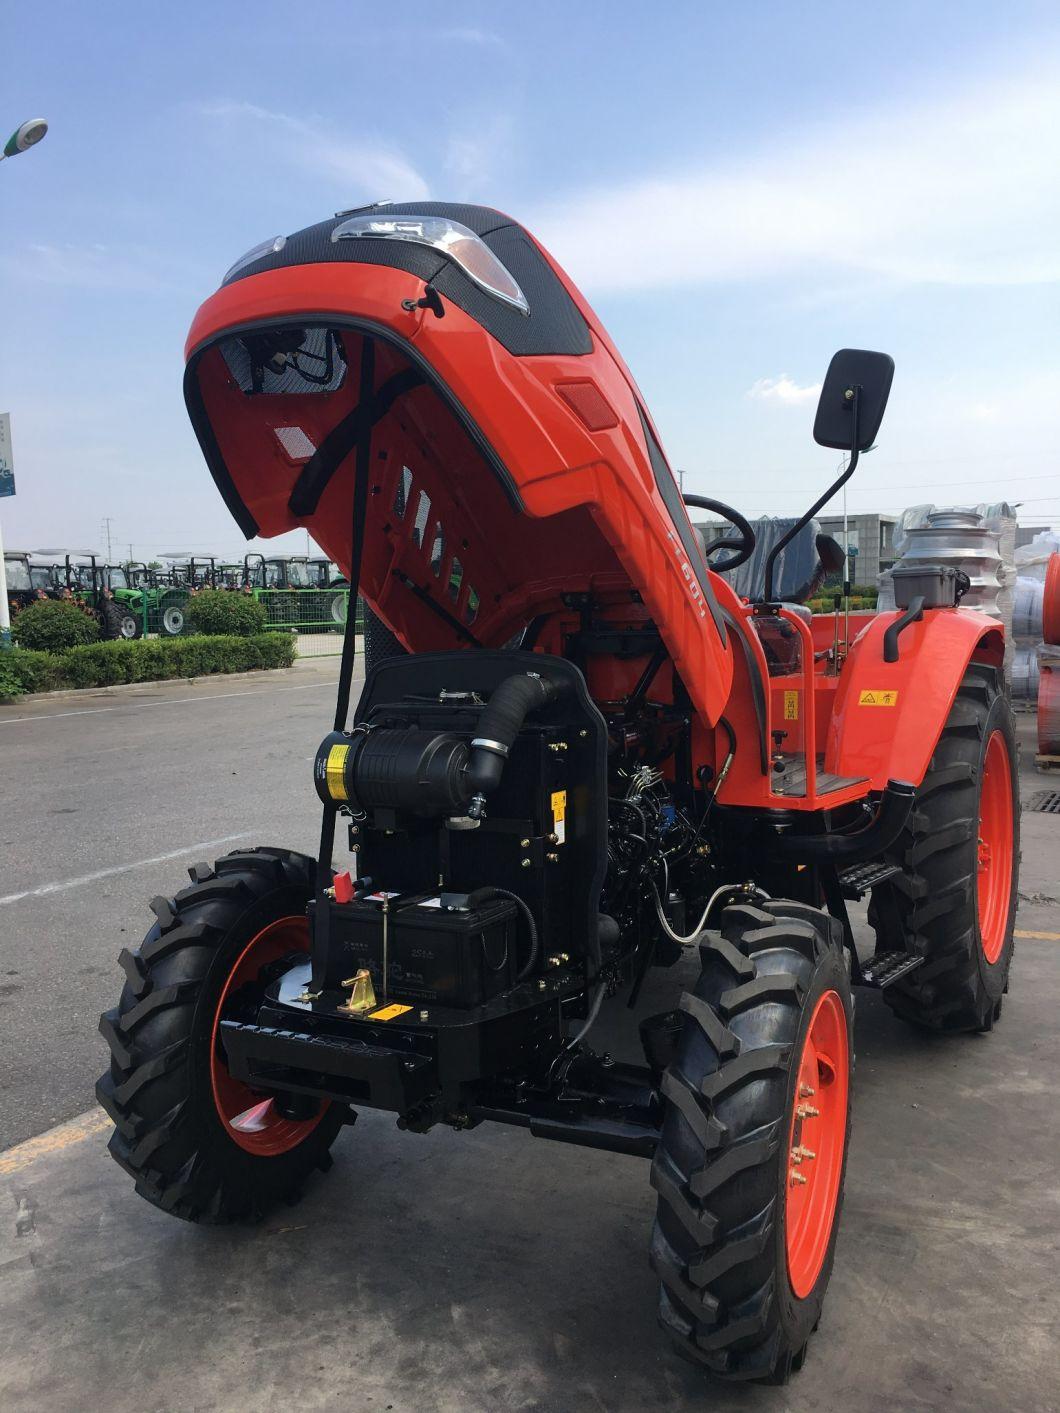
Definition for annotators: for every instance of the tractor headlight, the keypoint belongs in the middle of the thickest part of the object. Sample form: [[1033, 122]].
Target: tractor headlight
[[265, 247], [453, 240]]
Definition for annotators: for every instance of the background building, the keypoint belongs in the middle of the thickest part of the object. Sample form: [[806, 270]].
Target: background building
[[870, 538]]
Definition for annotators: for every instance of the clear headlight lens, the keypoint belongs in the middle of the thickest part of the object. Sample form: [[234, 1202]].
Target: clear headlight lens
[[454, 240], [265, 247]]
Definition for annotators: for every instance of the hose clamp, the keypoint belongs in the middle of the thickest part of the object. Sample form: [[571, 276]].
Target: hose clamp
[[485, 744]]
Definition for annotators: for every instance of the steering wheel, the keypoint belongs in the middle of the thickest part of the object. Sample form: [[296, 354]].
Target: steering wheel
[[743, 543]]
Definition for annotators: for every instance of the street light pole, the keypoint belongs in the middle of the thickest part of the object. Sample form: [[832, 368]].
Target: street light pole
[[25, 136]]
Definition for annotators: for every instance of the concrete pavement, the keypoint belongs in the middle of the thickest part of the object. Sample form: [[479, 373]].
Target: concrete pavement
[[484, 1270], [107, 797]]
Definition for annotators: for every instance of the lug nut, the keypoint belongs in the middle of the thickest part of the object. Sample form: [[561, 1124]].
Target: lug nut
[[808, 1154], [552, 858], [807, 1111], [425, 1015], [796, 1179], [526, 863], [524, 843], [806, 1091], [542, 985]]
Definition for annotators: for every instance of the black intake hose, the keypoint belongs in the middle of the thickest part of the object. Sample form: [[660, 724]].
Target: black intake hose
[[500, 723], [877, 836]]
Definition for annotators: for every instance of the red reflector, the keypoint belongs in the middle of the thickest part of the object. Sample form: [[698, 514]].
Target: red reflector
[[586, 399], [343, 888]]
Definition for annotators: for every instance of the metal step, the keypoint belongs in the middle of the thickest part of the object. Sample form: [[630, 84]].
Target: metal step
[[855, 882], [885, 968]]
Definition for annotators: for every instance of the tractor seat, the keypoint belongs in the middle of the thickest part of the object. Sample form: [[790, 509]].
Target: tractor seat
[[800, 567]]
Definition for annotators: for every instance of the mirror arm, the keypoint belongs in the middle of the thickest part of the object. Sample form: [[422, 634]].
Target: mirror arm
[[829, 493]]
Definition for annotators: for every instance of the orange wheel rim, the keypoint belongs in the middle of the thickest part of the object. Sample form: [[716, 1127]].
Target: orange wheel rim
[[251, 1119], [816, 1142], [994, 848]]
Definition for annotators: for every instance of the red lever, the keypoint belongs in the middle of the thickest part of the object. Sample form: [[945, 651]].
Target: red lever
[[343, 888]]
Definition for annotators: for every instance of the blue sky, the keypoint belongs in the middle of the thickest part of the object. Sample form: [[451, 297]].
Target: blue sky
[[739, 190]]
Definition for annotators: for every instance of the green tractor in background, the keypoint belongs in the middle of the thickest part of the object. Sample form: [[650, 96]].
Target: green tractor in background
[[182, 575], [161, 600], [59, 575]]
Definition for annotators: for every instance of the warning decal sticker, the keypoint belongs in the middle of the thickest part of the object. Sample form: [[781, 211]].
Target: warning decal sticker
[[559, 815], [335, 772], [879, 697], [389, 1012]]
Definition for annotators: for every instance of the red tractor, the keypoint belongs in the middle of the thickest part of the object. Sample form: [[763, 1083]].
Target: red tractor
[[577, 754]]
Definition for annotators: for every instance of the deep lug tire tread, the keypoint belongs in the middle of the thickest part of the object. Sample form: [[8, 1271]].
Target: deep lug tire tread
[[717, 1244], [934, 897], [167, 1135]]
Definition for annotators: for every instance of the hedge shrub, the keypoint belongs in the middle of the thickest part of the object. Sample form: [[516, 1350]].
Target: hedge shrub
[[50, 625], [858, 603], [221, 611], [142, 660], [24, 671]]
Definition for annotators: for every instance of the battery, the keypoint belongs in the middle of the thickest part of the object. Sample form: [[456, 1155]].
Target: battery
[[448, 956]]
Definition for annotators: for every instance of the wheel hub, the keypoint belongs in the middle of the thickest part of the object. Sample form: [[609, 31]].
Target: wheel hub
[[816, 1143], [994, 849], [252, 1121]]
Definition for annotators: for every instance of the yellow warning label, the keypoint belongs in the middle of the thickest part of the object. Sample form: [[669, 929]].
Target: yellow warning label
[[389, 1012], [791, 706], [559, 815], [335, 772], [878, 697]]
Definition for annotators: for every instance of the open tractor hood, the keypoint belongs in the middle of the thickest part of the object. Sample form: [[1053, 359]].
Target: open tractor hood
[[515, 466]]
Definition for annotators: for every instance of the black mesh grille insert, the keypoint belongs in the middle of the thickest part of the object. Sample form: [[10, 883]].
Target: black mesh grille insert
[[286, 360]]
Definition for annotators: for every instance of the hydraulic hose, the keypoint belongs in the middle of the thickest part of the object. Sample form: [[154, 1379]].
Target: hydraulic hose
[[694, 934]]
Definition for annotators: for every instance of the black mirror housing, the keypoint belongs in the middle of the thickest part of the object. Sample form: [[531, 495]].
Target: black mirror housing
[[871, 374]]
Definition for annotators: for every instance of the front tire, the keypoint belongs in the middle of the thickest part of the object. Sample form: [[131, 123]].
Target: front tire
[[199, 1143], [955, 900], [750, 1165]]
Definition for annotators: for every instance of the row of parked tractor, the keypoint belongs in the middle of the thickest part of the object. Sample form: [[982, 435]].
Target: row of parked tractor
[[301, 593]]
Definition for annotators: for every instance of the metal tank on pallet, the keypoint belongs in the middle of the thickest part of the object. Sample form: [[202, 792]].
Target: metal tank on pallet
[[968, 538]]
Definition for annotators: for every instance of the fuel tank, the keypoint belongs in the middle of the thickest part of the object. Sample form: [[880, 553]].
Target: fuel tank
[[515, 466]]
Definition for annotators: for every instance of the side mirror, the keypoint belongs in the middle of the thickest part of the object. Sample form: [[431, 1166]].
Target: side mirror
[[856, 379]]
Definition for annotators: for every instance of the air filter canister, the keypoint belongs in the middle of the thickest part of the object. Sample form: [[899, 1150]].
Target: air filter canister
[[405, 769]]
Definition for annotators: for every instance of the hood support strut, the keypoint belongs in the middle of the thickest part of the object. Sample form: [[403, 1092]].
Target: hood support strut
[[362, 475]]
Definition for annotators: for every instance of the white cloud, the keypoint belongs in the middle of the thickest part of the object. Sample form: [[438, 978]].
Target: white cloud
[[957, 190], [85, 267], [783, 390], [474, 154], [361, 168]]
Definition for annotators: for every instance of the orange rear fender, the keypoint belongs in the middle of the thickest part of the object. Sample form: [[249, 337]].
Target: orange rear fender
[[888, 716]]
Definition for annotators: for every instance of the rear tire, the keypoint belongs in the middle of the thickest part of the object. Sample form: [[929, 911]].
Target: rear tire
[[743, 1266], [941, 905], [167, 1089], [110, 620]]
